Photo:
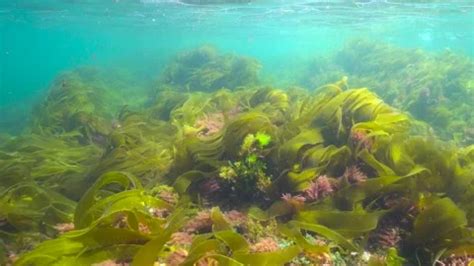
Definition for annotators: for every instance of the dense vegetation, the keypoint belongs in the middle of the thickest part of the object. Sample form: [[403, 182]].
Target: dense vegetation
[[217, 168], [436, 88]]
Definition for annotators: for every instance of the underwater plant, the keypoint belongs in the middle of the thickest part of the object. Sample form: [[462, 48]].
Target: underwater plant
[[432, 87], [248, 175], [205, 69]]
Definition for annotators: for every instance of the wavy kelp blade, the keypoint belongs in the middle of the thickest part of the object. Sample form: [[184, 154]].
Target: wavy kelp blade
[[296, 235], [398, 157], [235, 241], [149, 252], [315, 161], [279, 257], [326, 158], [364, 105], [206, 151], [25, 203], [136, 200], [99, 237], [279, 208], [381, 168], [88, 244], [224, 260], [183, 182], [116, 252], [125, 180], [392, 122], [219, 223], [347, 223], [292, 150], [327, 233], [358, 104], [200, 248], [352, 195], [50, 252]]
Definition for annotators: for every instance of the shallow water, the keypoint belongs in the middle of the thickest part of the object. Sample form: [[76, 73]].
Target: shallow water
[[303, 132], [42, 38]]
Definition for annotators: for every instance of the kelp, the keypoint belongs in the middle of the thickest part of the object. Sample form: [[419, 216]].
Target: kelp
[[204, 69], [437, 220], [149, 252], [245, 175], [56, 163], [26, 206], [433, 87], [347, 223], [74, 104], [291, 150], [138, 139], [269, 258], [107, 224], [441, 226], [326, 232]]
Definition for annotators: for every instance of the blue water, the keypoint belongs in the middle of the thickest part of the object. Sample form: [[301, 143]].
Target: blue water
[[40, 39]]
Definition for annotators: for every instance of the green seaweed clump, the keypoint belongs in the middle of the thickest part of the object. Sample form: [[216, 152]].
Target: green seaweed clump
[[247, 177]]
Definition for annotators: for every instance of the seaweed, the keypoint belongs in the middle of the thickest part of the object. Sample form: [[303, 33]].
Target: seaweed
[[432, 87], [217, 169], [101, 232], [58, 163], [72, 104], [204, 69]]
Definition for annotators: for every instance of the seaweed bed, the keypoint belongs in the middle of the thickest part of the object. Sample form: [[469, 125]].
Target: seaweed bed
[[435, 88], [217, 168]]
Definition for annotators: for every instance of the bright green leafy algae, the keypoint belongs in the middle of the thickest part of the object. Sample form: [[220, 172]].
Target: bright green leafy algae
[[231, 172]]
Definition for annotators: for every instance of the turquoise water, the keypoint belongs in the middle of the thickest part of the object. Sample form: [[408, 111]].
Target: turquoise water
[[236, 132], [40, 39]]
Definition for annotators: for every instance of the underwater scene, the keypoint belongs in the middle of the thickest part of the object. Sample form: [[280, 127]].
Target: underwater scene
[[236, 132]]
